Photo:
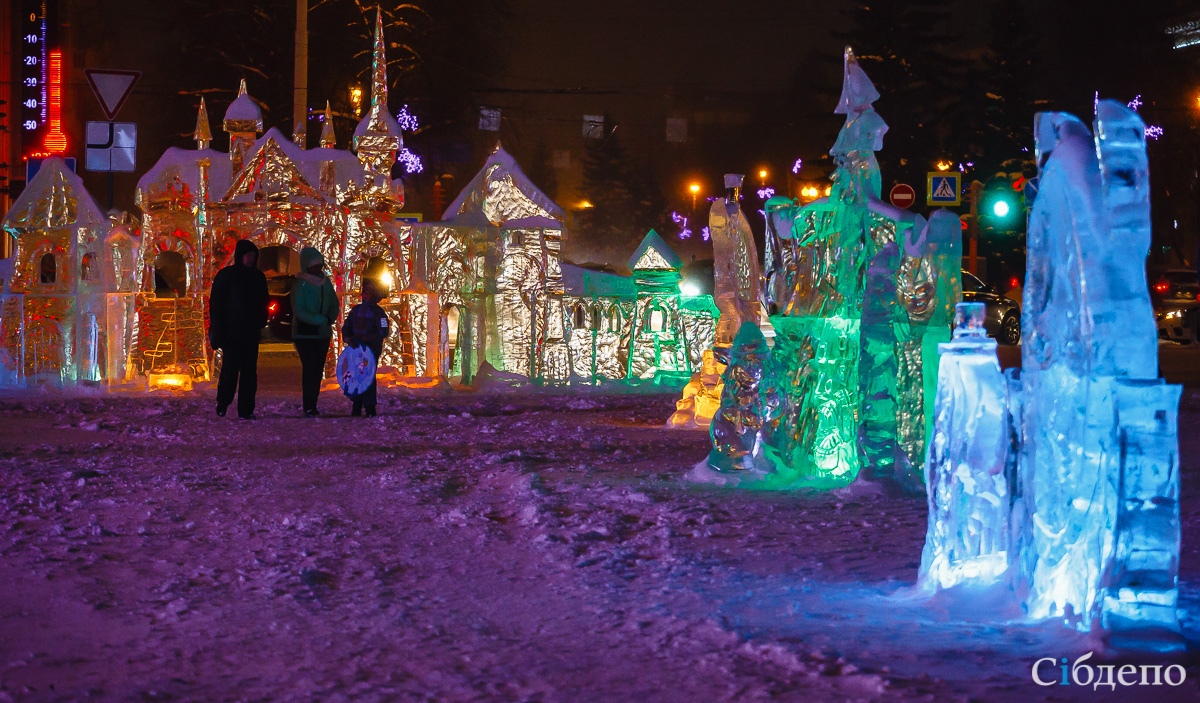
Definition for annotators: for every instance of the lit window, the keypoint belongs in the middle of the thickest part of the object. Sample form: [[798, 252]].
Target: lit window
[[656, 320]]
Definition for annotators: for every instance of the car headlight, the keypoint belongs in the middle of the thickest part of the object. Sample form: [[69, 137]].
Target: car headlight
[[1173, 313]]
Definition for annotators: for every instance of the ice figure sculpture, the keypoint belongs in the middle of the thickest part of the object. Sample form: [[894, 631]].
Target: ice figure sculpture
[[701, 396], [751, 406], [737, 282], [818, 318], [1089, 333], [1095, 510], [737, 290], [928, 284], [967, 473]]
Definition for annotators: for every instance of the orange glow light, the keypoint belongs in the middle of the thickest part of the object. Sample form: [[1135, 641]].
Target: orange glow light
[[56, 141]]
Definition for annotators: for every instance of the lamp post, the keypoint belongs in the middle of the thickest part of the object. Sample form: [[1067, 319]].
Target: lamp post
[[762, 178], [695, 190]]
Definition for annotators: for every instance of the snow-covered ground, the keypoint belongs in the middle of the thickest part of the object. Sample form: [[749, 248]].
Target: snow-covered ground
[[474, 547]]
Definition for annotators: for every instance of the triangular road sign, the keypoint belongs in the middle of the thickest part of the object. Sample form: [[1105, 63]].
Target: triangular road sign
[[111, 88]]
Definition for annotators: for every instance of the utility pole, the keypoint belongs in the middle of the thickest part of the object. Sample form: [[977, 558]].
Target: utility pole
[[973, 194], [300, 85]]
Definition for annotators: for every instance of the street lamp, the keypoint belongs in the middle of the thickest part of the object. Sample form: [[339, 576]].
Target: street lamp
[[762, 177], [695, 189]]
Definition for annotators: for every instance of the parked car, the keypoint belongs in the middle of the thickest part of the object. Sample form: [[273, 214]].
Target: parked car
[[279, 309], [1175, 294], [1003, 319]]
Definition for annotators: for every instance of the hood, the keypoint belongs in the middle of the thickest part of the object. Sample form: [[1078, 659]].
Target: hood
[[243, 247], [310, 256], [371, 291]]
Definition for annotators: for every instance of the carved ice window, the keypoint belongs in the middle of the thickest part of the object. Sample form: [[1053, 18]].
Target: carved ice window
[[48, 269]]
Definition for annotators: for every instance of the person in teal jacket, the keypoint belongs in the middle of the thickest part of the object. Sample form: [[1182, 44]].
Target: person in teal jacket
[[314, 310]]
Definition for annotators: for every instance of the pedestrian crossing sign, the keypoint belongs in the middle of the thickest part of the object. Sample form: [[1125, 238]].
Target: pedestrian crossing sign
[[944, 188]]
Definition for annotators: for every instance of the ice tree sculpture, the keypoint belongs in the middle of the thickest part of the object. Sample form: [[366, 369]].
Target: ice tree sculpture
[[967, 474], [817, 326], [751, 406]]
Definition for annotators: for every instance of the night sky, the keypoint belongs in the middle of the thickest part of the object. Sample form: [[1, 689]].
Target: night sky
[[756, 81]]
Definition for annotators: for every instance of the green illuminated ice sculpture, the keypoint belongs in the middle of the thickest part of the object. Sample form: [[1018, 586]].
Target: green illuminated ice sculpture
[[819, 314], [860, 292]]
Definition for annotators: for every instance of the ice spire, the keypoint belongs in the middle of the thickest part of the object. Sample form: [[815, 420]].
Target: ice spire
[[386, 138], [379, 88], [328, 140], [862, 135], [203, 133]]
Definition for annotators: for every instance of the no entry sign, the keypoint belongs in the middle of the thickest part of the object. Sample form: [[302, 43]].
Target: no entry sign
[[902, 195]]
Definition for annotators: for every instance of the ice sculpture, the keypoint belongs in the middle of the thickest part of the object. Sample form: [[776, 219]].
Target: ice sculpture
[[1096, 514], [967, 473], [52, 316], [751, 407], [1088, 326], [737, 282], [927, 285], [817, 324], [701, 396], [737, 290]]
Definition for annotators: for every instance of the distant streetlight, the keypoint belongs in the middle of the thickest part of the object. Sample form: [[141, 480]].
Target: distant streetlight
[[762, 177], [356, 99], [943, 165], [695, 189]]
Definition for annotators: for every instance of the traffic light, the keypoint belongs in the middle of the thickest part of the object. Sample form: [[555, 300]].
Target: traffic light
[[1002, 206]]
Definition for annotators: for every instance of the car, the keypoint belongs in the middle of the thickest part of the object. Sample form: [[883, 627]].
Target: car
[[1003, 318], [1175, 294], [279, 309]]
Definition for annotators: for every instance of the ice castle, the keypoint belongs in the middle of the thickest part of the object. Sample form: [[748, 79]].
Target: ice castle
[[485, 287]]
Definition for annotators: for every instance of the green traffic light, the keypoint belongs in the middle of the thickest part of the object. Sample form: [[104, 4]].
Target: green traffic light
[[1000, 208]]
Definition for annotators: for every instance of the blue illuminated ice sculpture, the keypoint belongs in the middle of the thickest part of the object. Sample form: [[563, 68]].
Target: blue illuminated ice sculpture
[[968, 473], [1095, 511]]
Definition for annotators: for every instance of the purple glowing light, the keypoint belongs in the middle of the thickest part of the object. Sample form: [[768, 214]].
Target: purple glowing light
[[1154, 132], [704, 234], [684, 232], [766, 193], [796, 166], [412, 162], [406, 120], [1136, 102]]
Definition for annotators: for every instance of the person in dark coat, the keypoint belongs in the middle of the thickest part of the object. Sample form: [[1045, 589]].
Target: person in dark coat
[[314, 310], [366, 324], [237, 312]]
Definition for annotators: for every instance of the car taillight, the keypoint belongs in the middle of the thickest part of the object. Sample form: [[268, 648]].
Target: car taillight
[[273, 306], [1162, 287]]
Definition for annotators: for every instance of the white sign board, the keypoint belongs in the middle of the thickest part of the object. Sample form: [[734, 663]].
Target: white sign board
[[111, 87], [111, 146]]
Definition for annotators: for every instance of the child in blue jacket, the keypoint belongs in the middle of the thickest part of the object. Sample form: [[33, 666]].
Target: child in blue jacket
[[367, 324]]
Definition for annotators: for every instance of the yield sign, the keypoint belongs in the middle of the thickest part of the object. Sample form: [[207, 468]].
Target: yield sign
[[111, 87]]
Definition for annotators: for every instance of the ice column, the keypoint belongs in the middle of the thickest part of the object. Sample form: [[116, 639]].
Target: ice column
[[967, 477]]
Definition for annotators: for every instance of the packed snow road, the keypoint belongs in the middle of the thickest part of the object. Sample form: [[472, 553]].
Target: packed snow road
[[471, 547]]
